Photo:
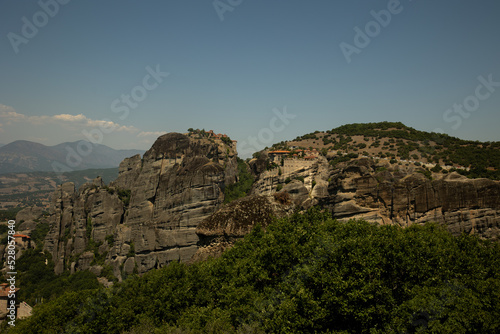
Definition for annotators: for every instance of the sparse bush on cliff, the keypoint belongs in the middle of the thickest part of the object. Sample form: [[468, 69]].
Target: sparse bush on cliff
[[124, 196], [227, 141], [426, 173], [242, 187], [436, 169], [39, 233]]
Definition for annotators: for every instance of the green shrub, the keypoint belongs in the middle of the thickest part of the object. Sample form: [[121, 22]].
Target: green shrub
[[427, 173], [131, 251], [242, 187], [3, 229], [124, 196], [110, 239], [436, 169], [299, 178]]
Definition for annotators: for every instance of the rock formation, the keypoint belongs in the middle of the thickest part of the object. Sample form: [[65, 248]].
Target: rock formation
[[386, 194], [405, 197], [235, 220], [148, 216], [168, 205]]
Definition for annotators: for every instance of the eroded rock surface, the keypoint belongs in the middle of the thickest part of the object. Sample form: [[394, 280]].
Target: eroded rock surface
[[233, 221], [386, 194], [148, 216]]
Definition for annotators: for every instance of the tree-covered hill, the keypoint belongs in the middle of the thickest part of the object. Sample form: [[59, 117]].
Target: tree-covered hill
[[304, 274]]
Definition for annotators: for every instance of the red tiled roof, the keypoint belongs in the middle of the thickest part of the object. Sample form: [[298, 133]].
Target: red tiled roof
[[276, 152], [21, 235], [5, 290]]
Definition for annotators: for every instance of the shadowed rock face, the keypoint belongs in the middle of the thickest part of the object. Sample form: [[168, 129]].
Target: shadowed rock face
[[178, 183], [239, 217], [92, 213]]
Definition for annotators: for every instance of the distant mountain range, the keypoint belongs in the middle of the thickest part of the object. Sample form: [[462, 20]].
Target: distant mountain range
[[26, 156]]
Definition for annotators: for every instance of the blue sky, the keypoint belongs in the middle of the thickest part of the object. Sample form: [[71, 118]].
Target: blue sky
[[235, 65]]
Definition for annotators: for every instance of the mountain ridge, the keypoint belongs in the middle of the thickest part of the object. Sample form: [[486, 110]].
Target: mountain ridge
[[190, 198], [27, 156]]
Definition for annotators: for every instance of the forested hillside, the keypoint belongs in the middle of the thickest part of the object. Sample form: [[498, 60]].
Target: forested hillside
[[304, 274]]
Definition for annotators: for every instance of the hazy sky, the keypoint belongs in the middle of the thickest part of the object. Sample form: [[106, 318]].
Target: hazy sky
[[261, 71]]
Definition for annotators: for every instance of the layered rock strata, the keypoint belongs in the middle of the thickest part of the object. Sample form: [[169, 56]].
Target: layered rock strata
[[392, 194], [148, 216]]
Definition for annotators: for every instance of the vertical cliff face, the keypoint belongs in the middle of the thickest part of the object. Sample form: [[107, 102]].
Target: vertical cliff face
[[148, 216], [80, 222], [386, 194], [405, 197]]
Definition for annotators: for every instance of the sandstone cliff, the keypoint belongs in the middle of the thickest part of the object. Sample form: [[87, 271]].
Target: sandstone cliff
[[148, 216], [391, 194], [403, 196]]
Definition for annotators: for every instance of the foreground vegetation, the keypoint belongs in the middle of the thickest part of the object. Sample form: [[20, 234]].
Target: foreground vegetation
[[304, 274]]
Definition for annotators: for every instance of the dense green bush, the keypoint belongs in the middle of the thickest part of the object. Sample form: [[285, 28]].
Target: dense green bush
[[342, 158], [304, 274], [3, 229], [124, 196], [9, 214], [436, 169], [242, 187], [39, 283], [39, 233], [426, 173]]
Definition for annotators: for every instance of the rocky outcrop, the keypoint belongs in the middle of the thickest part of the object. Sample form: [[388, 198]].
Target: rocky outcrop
[[270, 181], [28, 218], [148, 216], [393, 194], [80, 222], [363, 189], [235, 220], [239, 217]]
